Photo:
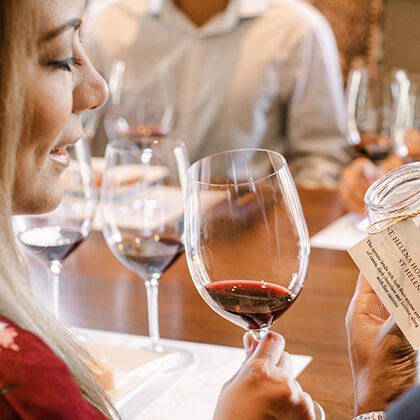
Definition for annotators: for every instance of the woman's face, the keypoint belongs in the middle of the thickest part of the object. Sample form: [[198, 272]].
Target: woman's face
[[62, 83]]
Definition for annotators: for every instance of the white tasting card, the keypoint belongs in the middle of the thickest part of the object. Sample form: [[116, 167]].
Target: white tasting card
[[390, 261]]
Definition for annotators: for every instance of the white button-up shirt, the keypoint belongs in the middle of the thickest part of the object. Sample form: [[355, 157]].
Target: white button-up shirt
[[260, 74]]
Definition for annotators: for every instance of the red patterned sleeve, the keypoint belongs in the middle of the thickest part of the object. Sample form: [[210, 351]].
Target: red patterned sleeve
[[34, 382]]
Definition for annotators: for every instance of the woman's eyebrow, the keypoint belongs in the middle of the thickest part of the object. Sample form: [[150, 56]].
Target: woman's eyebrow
[[70, 24]]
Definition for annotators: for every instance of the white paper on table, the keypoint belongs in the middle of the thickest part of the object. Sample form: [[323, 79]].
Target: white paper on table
[[129, 173], [188, 395], [130, 367], [342, 234]]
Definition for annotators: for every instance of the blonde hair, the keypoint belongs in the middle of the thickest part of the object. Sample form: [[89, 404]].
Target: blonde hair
[[18, 41]]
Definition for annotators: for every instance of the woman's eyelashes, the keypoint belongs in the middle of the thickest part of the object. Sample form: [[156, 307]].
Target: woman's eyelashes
[[66, 64]]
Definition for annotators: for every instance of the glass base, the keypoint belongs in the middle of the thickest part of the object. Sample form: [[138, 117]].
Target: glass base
[[178, 358], [319, 411]]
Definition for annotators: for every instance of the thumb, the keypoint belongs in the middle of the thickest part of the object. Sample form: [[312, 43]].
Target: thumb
[[270, 348]]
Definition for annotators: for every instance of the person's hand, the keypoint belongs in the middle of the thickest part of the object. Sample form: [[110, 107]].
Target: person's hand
[[264, 387], [383, 363], [354, 181], [356, 178], [390, 163]]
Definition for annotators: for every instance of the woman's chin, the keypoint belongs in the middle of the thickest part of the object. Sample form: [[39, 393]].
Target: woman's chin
[[44, 202]]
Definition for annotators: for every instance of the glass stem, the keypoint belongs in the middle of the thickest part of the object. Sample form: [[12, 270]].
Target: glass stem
[[259, 334], [152, 290], [54, 289]]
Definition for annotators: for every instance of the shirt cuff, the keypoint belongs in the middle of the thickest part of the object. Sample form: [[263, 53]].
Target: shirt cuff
[[375, 415]]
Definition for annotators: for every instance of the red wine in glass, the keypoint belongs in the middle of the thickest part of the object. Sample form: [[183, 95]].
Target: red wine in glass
[[251, 303], [52, 243], [376, 148], [149, 255]]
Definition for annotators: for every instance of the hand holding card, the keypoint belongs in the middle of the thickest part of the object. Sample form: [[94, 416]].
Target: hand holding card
[[382, 360], [390, 260]]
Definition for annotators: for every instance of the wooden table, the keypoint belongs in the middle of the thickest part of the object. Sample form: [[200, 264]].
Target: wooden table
[[98, 292]]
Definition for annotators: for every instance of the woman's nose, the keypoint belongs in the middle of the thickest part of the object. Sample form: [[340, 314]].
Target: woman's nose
[[91, 90]]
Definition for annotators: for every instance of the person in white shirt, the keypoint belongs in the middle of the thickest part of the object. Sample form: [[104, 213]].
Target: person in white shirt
[[248, 73]]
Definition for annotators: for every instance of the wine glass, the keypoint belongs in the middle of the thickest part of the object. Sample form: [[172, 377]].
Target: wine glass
[[53, 236], [90, 121], [246, 238], [143, 216], [141, 104], [369, 102], [406, 130]]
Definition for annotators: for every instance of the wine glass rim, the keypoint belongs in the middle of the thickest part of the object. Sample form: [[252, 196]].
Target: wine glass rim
[[226, 152]]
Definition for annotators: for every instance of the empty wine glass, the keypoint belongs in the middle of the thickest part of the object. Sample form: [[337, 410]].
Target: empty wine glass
[[247, 243], [90, 121], [140, 104], [406, 130], [52, 237], [143, 216], [370, 102]]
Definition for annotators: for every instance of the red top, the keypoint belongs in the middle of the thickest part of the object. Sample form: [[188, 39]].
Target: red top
[[34, 382]]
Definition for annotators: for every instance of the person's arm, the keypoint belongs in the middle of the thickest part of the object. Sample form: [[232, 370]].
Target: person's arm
[[35, 383], [383, 363], [264, 386], [316, 114]]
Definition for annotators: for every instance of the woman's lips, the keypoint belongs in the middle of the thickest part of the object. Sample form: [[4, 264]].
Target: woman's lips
[[60, 155]]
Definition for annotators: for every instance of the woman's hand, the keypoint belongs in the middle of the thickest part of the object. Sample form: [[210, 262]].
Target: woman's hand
[[382, 360], [264, 387]]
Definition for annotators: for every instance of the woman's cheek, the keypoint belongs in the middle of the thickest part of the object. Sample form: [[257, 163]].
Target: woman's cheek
[[50, 97], [53, 106]]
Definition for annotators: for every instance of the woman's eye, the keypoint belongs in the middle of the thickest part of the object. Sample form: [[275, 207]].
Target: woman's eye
[[66, 64]]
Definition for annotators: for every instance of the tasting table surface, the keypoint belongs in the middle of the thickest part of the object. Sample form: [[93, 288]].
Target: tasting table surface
[[98, 292]]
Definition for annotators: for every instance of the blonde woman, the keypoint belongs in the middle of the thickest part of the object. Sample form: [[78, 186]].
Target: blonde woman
[[45, 84]]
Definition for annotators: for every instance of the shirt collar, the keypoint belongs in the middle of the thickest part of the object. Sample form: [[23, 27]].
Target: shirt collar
[[221, 23]]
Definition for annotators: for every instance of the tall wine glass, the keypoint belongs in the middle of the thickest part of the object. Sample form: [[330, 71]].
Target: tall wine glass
[[370, 102], [53, 236], [143, 216], [140, 104], [246, 238], [90, 121], [406, 130], [247, 243]]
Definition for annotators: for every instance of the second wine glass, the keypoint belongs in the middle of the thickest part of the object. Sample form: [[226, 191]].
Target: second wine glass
[[143, 216], [247, 243]]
